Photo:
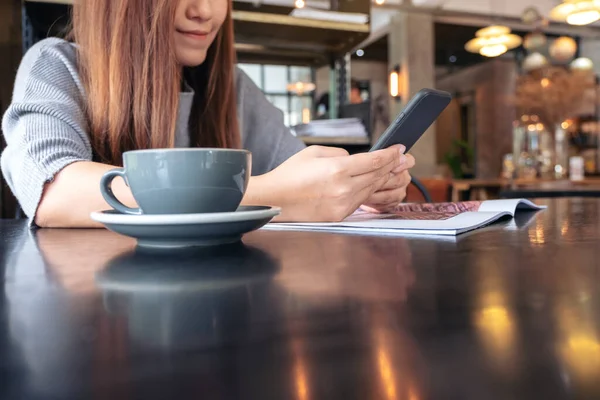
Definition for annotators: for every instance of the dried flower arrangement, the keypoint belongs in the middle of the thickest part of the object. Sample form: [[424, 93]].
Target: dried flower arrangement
[[554, 93]]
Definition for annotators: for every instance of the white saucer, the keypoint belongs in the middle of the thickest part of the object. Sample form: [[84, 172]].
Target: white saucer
[[183, 230]]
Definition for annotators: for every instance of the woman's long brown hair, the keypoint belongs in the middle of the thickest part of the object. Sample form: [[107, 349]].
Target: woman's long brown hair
[[132, 79]]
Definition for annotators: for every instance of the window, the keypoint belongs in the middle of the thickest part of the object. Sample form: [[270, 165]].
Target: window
[[273, 81]]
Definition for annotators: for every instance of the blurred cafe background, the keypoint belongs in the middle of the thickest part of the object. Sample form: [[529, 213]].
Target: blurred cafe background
[[523, 75]]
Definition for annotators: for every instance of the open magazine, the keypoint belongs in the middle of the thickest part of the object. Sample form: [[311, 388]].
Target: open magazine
[[420, 219]]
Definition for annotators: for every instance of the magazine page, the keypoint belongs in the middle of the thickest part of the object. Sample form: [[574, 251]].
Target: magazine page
[[502, 205], [456, 208], [420, 218], [508, 205], [432, 223]]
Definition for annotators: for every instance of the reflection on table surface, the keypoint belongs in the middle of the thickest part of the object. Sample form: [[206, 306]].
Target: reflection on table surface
[[511, 311]]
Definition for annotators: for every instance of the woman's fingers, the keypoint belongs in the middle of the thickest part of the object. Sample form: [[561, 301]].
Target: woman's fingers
[[374, 179], [391, 193], [408, 164], [367, 163], [397, 180], [387, 198], [366, 191], [393, 181]]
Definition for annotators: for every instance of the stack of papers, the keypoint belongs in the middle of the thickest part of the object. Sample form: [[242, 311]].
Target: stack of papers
[[346, 127], [420, 219]]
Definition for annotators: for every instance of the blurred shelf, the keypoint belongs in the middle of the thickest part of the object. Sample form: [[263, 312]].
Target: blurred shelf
[[271, 33], [340, 140], [260, 54]]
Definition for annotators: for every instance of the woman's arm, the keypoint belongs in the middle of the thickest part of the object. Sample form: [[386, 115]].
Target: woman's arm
[[272, 143], [317, 184], [45, 127], [74, 194]]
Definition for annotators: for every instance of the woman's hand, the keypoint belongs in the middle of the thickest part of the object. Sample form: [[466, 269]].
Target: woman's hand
[[393, 192], [325, 184]]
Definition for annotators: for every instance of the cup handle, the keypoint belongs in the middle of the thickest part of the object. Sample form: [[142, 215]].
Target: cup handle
[[109, 196]]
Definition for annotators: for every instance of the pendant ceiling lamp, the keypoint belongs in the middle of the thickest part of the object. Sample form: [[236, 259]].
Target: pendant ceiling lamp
[[577, 12], [493, 41], [300, 87]]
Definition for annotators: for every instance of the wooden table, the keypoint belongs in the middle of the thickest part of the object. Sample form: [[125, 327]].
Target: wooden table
[[480, 188], [588, 188], [508, 312]]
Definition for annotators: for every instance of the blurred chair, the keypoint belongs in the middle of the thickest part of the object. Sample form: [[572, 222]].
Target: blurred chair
[[429, 190], [419, 186]]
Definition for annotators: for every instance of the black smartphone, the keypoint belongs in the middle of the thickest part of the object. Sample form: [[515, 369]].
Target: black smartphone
[[418, 115]]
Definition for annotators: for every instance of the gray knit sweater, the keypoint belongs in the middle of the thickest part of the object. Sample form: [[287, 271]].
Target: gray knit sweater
[[45, 126]]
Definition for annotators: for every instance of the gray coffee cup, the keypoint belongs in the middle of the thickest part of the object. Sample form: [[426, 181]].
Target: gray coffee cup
[[181, 181]]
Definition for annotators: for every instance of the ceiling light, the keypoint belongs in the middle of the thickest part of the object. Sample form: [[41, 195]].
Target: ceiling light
[[493, 50], [534, 61], [582, 64], [360, 52], [545, 82], [563, 49], [534, 41], [299, 3], [300, 88], [493, 41], [577, 12], [379, 2]]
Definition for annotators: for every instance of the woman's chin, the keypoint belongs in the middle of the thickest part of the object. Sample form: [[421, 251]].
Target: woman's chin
[[191, 60]]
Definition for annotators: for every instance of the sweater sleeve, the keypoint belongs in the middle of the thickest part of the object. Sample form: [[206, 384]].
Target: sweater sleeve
[[44, 126], [263, 131]]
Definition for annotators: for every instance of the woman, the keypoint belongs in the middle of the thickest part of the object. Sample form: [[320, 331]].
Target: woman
[[160, 73]]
